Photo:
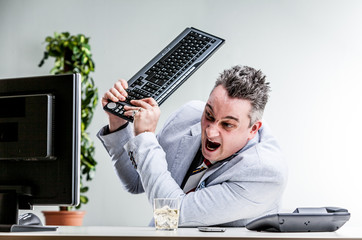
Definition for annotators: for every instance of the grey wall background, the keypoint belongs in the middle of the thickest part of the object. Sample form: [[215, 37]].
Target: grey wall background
[[310, 50]]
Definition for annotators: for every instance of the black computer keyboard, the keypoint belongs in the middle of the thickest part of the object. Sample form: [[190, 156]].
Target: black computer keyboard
[[168, 69]]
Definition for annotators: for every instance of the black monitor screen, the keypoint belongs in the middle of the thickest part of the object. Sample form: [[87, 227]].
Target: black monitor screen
[[39, 139], [16, 137]]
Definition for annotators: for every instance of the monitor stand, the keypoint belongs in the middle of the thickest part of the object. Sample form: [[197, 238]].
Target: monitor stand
[[11, 199]]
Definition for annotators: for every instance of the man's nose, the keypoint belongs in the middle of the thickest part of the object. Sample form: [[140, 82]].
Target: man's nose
[[212, 131]]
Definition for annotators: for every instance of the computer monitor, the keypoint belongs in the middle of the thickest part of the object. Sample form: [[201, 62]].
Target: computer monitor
[[39, 143]]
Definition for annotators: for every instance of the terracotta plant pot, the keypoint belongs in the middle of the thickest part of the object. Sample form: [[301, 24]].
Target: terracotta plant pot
[[64, 218]]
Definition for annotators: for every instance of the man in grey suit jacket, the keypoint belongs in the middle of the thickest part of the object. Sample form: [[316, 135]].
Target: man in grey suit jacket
[[244, 173]]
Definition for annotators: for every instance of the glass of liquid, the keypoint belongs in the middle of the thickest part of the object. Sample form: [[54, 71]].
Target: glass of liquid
[[166, 213]]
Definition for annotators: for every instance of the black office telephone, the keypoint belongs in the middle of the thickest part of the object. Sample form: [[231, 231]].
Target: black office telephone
[[324, 219]]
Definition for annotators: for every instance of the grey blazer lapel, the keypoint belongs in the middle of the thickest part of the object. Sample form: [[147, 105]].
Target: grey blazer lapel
[[211, 171], [189, 146]]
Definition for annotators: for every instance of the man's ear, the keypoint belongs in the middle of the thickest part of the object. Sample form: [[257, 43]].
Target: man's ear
[[255, 128]]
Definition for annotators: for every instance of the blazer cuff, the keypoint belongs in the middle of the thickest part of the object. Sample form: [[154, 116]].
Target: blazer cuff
[[114, 140], [140, 148]]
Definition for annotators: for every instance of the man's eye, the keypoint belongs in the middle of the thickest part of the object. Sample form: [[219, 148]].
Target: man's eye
[[209, 116], [227, 125]]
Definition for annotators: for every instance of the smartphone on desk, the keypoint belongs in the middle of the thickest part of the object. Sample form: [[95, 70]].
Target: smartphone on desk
[[211, 229]]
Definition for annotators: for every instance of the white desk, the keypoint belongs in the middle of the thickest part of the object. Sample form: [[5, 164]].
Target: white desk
[[149, 233]]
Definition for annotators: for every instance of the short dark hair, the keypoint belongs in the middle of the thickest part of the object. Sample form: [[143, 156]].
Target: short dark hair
[[246, 83]]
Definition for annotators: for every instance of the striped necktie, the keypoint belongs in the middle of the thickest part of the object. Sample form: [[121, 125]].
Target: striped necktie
[[196, 176]]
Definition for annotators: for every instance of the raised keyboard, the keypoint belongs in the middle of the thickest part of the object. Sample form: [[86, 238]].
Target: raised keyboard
[[169, 69]]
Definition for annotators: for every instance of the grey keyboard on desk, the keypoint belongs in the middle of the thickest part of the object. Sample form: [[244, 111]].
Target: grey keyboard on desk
[[169, 69]]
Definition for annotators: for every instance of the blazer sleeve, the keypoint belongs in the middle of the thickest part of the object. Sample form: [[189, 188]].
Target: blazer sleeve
[[125, 170]]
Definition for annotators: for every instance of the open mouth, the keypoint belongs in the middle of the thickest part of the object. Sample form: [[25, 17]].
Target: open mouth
[[212, 146]]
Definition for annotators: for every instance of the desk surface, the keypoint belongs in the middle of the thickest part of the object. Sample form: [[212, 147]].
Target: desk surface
[[149, 233]]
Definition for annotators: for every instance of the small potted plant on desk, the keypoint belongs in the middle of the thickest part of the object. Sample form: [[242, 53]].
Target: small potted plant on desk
[[72, 55]]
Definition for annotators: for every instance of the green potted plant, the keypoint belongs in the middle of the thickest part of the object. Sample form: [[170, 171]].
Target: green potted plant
[[72, 55]]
